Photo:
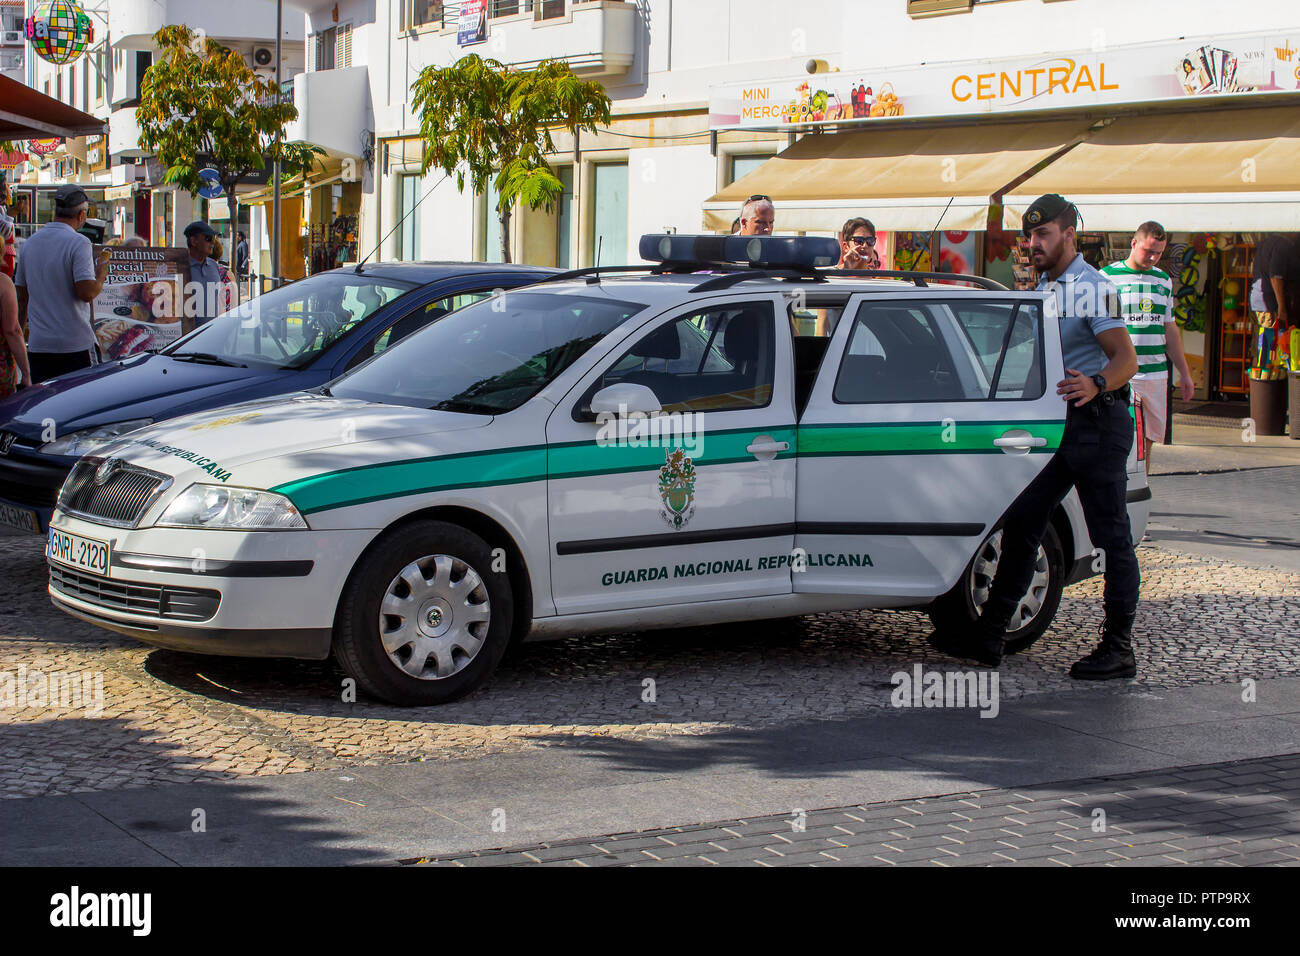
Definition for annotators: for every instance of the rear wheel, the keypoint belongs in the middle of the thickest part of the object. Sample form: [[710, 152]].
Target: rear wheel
[[959, 609], [424, 618]]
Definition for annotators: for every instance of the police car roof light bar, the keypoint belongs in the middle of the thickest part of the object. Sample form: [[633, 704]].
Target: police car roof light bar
[[760, 252]]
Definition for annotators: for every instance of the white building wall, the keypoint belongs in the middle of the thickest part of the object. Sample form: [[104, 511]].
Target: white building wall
[[687, 46]]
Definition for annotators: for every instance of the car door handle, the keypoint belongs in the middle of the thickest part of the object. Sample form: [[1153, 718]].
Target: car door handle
[[764, 446], [1020, 441]]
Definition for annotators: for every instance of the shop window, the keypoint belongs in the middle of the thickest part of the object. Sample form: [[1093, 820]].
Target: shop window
[[491, 223], [608, 237], [408, 233], [564, 219], [744, 164]]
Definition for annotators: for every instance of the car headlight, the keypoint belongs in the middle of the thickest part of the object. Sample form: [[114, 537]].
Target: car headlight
[[88, 439], [234, 509]]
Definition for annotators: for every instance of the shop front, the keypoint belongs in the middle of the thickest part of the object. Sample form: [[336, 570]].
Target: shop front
[[1201, 135]]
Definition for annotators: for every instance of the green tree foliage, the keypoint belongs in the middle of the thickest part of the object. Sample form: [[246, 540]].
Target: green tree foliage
[[200, 99], [495, 122]]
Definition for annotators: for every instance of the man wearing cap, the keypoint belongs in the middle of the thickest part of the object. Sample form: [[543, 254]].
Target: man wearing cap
[[1092, 457], [57, 279], [212, 290]]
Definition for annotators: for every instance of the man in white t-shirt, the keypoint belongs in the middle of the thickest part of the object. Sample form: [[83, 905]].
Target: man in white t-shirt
[[1146, 302], [57, 279]]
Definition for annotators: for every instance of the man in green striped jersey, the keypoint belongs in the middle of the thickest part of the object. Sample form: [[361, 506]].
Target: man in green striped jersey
[[1146, 302]]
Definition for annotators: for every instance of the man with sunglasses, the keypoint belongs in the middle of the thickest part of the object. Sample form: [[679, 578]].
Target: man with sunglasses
[[858, 245], [757, 216], [212, 289]]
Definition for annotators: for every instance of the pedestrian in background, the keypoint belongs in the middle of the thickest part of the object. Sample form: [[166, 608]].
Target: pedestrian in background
[[1275, 299], [13, 350], [8, 251], [214, 289], [241, 256], [1146, 298], [858, 245], [757, 216], [1092, 457], [57, 279]]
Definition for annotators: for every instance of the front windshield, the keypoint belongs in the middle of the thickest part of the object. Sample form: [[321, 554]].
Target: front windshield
[[289, 327], [489, 357]]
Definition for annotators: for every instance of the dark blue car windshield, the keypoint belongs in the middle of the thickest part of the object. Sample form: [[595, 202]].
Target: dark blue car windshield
[[289, 327]]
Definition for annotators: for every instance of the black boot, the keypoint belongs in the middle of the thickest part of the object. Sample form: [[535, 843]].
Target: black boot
[[1113, 657], [983, 643]]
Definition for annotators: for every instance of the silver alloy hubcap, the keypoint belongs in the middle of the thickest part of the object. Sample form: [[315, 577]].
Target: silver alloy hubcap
[[434, 617], [986, 565]]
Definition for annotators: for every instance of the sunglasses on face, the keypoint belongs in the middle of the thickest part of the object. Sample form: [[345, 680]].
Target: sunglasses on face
[[863, 240]]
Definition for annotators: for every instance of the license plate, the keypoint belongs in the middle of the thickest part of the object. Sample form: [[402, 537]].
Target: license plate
[[23, 519], [72, 549]]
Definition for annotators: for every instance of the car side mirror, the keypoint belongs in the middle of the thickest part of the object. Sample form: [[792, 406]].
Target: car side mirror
[[624, 398]]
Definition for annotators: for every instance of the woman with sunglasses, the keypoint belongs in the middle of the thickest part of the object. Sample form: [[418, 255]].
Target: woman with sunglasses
[[858, 245]]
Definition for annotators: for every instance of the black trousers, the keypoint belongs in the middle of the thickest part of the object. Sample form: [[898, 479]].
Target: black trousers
[[1093, 459], [49, 364]]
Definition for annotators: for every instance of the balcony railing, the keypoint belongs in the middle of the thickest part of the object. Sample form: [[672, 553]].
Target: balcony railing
[[448, 13]]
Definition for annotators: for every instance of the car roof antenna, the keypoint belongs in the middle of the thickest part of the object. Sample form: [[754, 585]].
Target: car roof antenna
[[397, 225], [912, 268]]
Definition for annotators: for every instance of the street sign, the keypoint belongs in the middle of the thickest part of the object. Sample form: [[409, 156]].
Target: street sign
[[211, 187]]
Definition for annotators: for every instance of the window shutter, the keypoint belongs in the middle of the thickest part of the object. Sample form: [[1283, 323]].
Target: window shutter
[[343, 53]]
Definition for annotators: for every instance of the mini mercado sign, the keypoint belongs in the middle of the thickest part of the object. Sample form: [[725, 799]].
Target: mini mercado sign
[[1170, 70]]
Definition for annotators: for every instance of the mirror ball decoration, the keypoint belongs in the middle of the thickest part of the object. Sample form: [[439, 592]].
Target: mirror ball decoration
[[60, 31]]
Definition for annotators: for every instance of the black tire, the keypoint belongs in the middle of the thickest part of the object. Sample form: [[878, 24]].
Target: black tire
[[359, 645], [957, 611]]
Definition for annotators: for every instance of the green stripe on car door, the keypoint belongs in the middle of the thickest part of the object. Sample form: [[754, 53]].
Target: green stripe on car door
[[929, 438]]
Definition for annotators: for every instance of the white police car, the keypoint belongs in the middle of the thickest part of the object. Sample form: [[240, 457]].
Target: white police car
[[733, 434]]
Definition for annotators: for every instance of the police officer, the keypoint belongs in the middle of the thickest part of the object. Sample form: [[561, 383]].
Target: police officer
[[1092, 458]]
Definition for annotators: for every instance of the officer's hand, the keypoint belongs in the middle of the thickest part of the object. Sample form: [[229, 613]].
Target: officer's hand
[[1077, 388]]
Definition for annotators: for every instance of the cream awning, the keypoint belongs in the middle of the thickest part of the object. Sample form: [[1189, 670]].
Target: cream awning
[[898, 178], [1220, 170]]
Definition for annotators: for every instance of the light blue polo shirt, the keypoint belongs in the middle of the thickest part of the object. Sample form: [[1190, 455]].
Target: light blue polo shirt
[[1087, 304], [50, 265]]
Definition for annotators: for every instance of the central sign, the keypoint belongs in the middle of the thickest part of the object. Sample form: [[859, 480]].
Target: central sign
[[1172, 70]]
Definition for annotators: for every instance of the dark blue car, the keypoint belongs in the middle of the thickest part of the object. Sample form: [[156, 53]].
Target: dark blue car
[[295, 338]]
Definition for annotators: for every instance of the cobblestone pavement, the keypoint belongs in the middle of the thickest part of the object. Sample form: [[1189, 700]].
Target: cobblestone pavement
[[175, 718], [1243, 813]]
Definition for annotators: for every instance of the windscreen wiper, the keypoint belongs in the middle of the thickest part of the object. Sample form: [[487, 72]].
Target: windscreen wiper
[[205, 357]]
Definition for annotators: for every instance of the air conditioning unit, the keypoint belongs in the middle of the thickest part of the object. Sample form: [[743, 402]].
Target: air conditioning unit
[[11, 37], [263, 57]]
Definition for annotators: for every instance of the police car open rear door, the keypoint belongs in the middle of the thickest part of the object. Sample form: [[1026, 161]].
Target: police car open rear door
[[932, 411]]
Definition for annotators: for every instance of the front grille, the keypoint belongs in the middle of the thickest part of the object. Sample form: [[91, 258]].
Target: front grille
[[162, 601], [120, 500]]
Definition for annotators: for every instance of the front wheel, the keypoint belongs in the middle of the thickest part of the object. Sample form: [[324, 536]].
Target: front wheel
[[959, 609], [424, 619]]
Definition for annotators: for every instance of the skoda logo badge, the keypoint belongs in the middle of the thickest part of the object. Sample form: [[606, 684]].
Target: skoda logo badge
[[6, 439], [106, 470]]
